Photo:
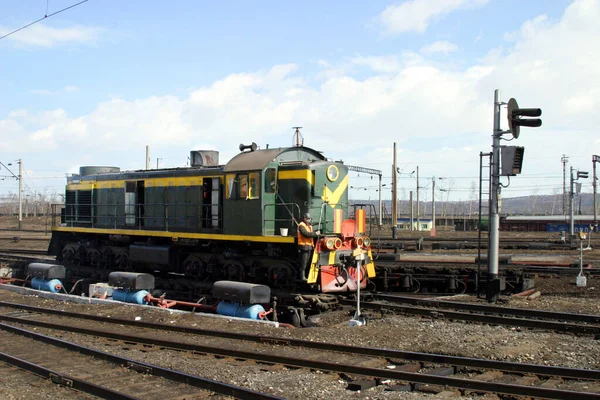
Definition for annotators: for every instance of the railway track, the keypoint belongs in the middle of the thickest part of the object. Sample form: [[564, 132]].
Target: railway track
[[522, 267], [410, 370], [549, 244], [15, 378], [515, 317], [102, 374], [444, 238]]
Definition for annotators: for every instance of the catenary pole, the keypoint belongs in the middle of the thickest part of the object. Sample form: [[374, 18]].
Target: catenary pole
[[20, 194], [394, 195], [595, 159], [564, 159], [418, 211], [433, 204]]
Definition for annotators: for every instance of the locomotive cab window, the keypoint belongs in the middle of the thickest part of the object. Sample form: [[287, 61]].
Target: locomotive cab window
[[230, 186], [270, 175], [254, 185], [243, 186]]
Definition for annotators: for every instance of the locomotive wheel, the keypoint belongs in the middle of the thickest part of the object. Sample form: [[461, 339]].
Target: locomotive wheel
[[280, 275], [122, 262], [93, 258], [69, 254], [298, 318], [108, 257], [233, 271], [194, 266]]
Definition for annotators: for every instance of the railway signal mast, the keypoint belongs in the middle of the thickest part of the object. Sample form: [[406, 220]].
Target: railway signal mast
[[509, 165], [595, 159], [583, 175]]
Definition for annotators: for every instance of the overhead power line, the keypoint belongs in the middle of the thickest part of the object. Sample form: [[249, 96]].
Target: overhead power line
[[43, 18]]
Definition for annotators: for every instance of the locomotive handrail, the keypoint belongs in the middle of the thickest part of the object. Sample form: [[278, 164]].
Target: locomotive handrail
[[323, 215], [120, 214], [292, 218]]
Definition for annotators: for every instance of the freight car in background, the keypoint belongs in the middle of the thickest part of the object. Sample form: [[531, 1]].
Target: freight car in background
[[545, 223], [210, 222]]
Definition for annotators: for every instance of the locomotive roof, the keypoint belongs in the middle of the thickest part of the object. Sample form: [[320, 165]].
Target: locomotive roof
[[246, 161], [144, 174], [259, 159]]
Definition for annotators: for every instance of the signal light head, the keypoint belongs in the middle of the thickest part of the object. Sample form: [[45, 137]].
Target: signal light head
[[582, 174], [514, 114]]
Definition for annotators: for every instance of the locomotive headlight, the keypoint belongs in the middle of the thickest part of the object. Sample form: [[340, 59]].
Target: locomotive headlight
[[330, 243], [367, 241], [359, 241], [338, 243]]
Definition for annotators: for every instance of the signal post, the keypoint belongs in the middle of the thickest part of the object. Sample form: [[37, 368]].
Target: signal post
[[509, 165]]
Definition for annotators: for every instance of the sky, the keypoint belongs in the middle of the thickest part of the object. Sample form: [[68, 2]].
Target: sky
[[96, 84]]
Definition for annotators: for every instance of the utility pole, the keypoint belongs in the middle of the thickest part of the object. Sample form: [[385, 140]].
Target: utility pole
[[595, 159], [411, 211], [571, 196], [564, 159], [418, 212], [147, 157], [433, 205], [20, 194], [394, 195]]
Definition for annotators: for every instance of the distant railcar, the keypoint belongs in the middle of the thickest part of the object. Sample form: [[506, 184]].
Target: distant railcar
[[546, 223]]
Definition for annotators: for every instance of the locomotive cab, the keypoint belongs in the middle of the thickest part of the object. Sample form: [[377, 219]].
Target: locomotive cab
[[267, 190]]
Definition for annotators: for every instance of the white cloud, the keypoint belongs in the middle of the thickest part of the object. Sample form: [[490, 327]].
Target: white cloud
[[41, 35], [441, 46], [416, 15], [379, 64], [18, 114]]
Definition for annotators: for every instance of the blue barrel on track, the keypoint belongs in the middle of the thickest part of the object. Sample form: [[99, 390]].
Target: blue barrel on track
[[130, 296], [47, 285], [231, 309]]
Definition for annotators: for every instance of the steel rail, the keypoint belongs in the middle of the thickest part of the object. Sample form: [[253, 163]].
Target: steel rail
[[464, 268], [532, 239], [173, 375], [19, 251], [521, 312], [65, 380], [412, 377], [564, 372], [481, 318]]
